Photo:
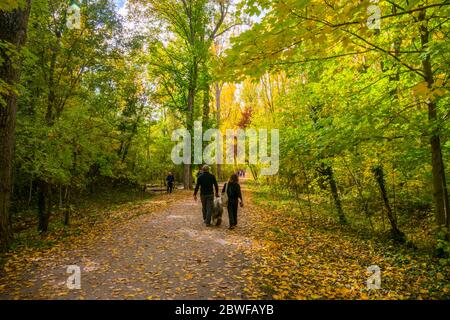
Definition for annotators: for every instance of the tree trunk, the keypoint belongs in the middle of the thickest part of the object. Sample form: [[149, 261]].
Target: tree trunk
[[187, 176], [67, 216], [44, 205], [30, 192], [60, 203], [439, 180], [440, 193], [379, 176], [13, 29], [205, 110], [327, 171], [253, 171], [218, 90], [192, 90]]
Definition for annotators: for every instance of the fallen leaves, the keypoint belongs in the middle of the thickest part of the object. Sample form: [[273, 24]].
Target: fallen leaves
[[139, 252], [272, 254], [297, 260]]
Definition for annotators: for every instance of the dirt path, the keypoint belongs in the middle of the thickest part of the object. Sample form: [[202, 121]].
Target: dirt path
[[160, 249], [166, 254]]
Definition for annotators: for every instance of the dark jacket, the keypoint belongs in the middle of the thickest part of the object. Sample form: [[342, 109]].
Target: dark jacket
[[233, 191], [170, 178], [205, 182]]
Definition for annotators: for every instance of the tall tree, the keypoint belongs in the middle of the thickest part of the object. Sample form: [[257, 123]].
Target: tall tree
[[13, 32], [65, 55], [190, 22], [298, 33]]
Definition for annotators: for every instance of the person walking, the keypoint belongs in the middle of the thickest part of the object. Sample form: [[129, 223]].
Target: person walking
[[207, 184], [170, 179], [199, 172], [233, 190]]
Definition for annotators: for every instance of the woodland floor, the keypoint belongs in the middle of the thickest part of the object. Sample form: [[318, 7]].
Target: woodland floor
[[158, 248]]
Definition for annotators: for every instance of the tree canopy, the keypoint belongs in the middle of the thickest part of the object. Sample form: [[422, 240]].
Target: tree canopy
[[359, 91]]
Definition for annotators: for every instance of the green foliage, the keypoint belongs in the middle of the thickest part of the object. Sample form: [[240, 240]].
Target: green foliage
[[101, 102], [344, 98], [9, 5], [88, 109]]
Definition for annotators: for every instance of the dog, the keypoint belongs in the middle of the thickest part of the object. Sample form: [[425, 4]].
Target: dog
[[216, 218]]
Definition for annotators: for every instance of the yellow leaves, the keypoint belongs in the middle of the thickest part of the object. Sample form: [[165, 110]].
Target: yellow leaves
[[321, 38], [330, 265], [7, 269], [277, 296], [440, 81], [343, 292], [62, 294], [298, 261], [423, 90], [363, 296]]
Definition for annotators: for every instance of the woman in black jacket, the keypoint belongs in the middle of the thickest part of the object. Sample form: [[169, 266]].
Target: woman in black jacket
[[234, 195]]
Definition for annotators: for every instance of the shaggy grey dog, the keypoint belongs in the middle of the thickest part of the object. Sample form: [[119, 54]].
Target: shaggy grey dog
[[216, 218]]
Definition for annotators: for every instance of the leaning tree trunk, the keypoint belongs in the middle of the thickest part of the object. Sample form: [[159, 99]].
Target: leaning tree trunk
[[13, 29], [440, 193], [327, 172], [395, 231]]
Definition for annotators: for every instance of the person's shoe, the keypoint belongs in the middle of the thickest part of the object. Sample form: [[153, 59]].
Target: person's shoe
[[208, 224], [230, 227]]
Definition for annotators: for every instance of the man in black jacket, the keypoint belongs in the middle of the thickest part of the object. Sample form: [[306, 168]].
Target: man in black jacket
[[170, 179], [206, 181]]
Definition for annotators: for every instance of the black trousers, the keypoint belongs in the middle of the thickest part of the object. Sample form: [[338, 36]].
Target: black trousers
[[169, 187], [207, 207], [232, 211]]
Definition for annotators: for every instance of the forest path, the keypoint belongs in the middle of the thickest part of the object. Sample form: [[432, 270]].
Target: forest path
[[164, 254], [158, 248]]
